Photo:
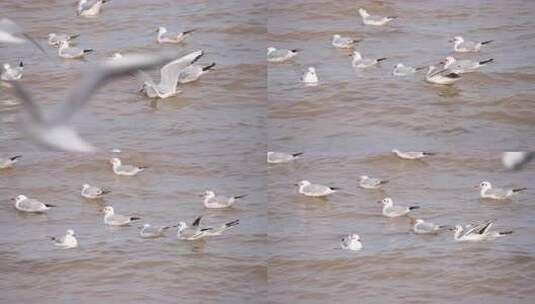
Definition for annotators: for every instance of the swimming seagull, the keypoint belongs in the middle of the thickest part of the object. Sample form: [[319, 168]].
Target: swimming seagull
[[389, 210], [10, 32], [343, 42], [169, 75], [402, 70], [126, 170], [9, 73], [193, 72], [479, 232], [89, 8], [281, 157], [195, 232], [374, 20], [280, 55], [516, 160], [315, 190], [367, 182], [70, 52], [92, 192], [462, 46], [412, 155], [359, 62], [463, 66], [351, 242], [211, 201], [310, 76], [150, 232], [57, 133], [487, 191], [55, 39], [66, 241], [422, 227], [112, 219], [166, 37], [25, 204], [444, 76], [9, 162]]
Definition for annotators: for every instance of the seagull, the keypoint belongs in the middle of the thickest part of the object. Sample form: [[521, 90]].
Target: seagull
[[463, 66], [57, 133], [149, 232], [310, 76], [10, 32], [211, 201], [359, 62], [92, 192], [126, 170], [412, 155], [66, 241], [367, 182], [462, 46], [165, 37], [195, 232], [351, 242], [281, 157], [315, 190], [6, 163], [112, 219], [25, 204], [55, 39], [169, 75], [445, 77], [374, 20], [402, 70], [117, 55], [389, 210], [280, 55], [10, 73], [89, 8], [515, 160], [496, 193], [422, 227], [478, 232], [343, 42], [67, 51], [193, 72]]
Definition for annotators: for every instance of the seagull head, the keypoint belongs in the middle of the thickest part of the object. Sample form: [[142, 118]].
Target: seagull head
[[63, 44], [363, 12], [448, 61], [354, 237], [70, 232], [356, 56], [208, 194], [399, 65], [181, 226], [419, 221], [312, 70], [145, 226], [161, 30], [117, 55], [303, 183], [395, 151], [52, 35], [363, 177], [484, 185], [271, 49], [85, 186], [457, 39], [387, 201], [115, 161], [108, 210], [20, 198], [336, 36], [7, 66]]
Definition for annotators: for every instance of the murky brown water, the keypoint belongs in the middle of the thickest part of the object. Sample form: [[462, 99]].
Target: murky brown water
[[215, 135]]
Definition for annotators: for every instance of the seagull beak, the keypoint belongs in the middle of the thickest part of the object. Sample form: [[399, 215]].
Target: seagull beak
[[12, 198], [451, 40], [296, 184], [442, 62], [476, 187], [379, 202]]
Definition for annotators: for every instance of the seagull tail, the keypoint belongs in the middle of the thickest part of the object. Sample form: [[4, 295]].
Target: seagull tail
[[383, 182], [106, 190], [486, 42], [420, 68], [74, 36], [169, 227], [15, 157], [88, 51], [519, 189], [240, 196], [414, 207], [486, 61], [134, 218], [429, 153], [50, 205], [381, 59], [392, 17], [143, 167], [334, 188], [53, 238], [21, 64], [208, 67], [506, 232], [233, 223], [297, 154], [296, 50], [188, 31]]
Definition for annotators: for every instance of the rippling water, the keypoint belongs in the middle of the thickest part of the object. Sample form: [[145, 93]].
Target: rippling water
[[215, 135]]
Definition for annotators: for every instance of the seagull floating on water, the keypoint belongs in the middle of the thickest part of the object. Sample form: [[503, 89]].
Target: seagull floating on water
[[280, 55], [89, 8], [310, 76], [462, 46], [315, 190], [25, 204], [92, 192], [389, 210], [194, 72], [6, 163], [361, 63], [374, 20], [55, 39], [487, 191], [166, 37], [411, 154], [479, 232], [151, 232], [281, 157], [463, 66], [444, 76], [343, 42], [211, 201], [195, 232], [126, 170], [422, 227], [367, 182], [112, 219], [402, 70], [9, 73], [351, 242], [66, 241]]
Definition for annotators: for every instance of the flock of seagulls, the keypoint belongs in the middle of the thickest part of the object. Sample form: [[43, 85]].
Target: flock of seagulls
[[56, 132]]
